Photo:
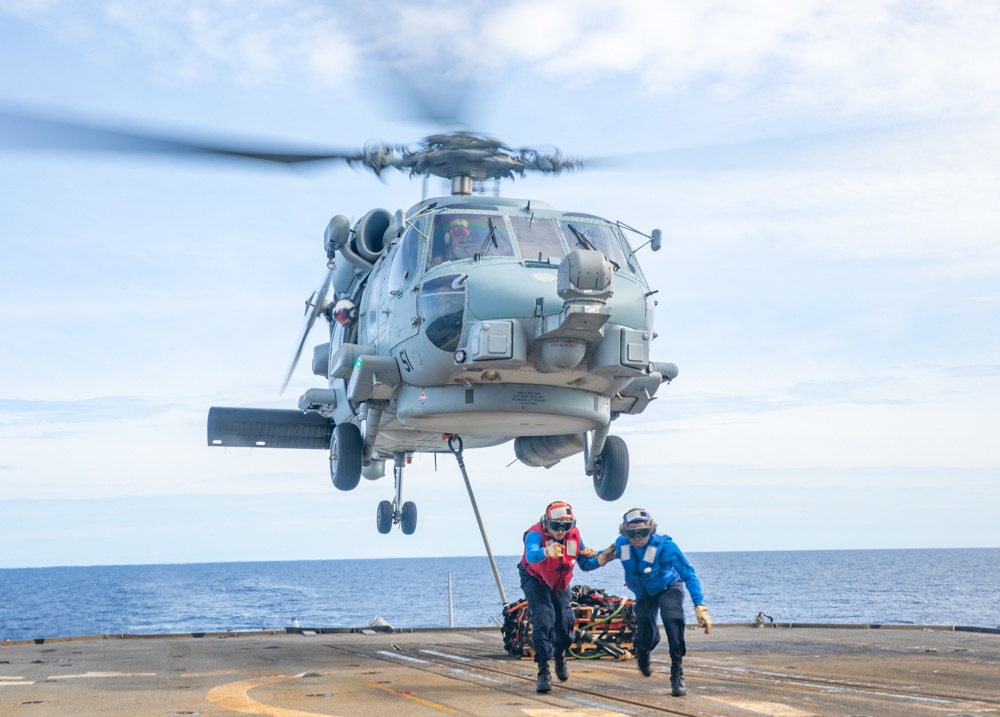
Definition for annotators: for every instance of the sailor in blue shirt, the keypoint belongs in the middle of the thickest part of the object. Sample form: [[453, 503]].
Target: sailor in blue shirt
[[657, 571]]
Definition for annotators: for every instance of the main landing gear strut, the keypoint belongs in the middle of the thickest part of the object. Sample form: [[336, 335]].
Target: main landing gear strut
[[347, 455], [397, 512]]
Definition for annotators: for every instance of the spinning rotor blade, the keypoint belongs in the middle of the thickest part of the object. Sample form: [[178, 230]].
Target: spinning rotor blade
[[443, 104], [900, 145], [314, 307], [19, 130], [751, 154]]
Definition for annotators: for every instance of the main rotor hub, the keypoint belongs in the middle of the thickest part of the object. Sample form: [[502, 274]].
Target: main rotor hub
[[464, 155]]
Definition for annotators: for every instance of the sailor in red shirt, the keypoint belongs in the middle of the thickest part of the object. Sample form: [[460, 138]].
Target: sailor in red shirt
[[552, 547]]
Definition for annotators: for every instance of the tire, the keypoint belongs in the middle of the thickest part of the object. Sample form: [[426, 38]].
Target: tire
[[409, 519], [383, 517], [347, 448], [612, 471]]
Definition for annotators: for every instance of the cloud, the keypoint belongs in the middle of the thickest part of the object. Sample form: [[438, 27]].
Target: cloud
[[93, 410], [916, 58]]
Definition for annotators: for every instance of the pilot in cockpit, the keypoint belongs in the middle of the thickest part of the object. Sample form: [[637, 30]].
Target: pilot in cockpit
[[454, 240]]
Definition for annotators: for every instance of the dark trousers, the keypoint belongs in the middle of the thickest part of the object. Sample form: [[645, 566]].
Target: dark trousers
[[552, 619], [670, 604]]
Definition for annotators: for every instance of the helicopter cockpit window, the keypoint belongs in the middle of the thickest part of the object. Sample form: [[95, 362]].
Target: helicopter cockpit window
[[462, 236], [404, 263], [442, 305], [538, 239], [583, 234]]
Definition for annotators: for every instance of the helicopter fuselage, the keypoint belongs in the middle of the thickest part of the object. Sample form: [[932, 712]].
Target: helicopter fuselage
[[473, 330]]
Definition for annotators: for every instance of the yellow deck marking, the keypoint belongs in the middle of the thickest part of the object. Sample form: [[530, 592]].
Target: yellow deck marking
[[233, 696], [411, 697], [773, 709]]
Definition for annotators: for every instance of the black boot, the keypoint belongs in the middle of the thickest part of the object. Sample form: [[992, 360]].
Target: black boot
[[645, 664], [677, 687], [562, 670], [544, 681]]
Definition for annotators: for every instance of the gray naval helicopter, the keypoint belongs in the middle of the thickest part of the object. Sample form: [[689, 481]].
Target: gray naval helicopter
[[472, 319], [469, 317]]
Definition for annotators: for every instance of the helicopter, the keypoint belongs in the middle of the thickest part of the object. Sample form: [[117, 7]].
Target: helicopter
[[489, 318], [468, 317]]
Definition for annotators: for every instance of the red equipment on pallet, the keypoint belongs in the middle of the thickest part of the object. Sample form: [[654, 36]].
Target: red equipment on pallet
[[605, 626]]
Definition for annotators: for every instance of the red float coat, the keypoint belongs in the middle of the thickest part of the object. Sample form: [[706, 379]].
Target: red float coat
[[557, 573]]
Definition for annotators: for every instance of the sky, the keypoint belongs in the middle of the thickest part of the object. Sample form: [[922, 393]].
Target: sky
[[825, 178]]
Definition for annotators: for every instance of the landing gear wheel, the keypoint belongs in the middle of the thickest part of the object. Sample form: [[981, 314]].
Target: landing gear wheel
[[611, 475], [409, 519], [347, 448], [383, 518]]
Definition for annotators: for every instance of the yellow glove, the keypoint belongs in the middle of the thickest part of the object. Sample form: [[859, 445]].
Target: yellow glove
[[704, 619], [607, 556], [589, 553], [554, 550]]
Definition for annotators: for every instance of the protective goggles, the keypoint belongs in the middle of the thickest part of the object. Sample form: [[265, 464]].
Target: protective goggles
[[459, 233], [643, 532], [555, 525]]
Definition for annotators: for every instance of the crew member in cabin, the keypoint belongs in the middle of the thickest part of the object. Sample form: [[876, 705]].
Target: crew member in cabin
[[345, 312], [552, 547], [657, 572]]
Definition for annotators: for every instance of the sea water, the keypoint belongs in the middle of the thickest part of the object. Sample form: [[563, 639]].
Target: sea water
[[922, 587]]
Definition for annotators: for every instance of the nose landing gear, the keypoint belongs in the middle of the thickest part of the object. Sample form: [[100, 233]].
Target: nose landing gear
[[397, 512]]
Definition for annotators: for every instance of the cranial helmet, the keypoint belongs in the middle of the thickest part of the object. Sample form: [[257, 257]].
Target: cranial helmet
[[345, 311], [458, 230], [559, 512], [633, 517]]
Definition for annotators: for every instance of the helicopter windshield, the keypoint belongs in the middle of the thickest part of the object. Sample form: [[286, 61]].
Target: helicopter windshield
[[588, 234], [404, 262], [462, 236], [538, 239]]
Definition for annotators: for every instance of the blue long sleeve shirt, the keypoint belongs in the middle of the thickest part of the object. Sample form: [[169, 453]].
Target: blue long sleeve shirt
[[645, 577]]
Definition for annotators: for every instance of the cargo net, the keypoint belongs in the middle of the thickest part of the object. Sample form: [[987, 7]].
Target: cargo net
[[605, 626]]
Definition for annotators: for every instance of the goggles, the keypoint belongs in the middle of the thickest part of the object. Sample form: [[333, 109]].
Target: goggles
[[459, 233], [643, 532], [556, 525]]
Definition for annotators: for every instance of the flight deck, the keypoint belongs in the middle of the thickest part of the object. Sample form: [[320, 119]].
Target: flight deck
[[737, 670]]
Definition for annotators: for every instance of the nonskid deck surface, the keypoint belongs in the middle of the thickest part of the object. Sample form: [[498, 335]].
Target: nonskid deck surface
[[737, 670]]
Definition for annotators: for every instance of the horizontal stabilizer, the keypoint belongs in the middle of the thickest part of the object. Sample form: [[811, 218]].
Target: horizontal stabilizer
[[267, 428]]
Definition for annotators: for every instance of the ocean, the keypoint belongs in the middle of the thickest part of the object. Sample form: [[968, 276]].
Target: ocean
[[920, 587]]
